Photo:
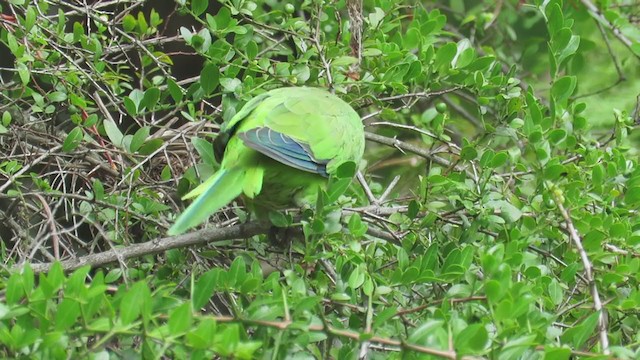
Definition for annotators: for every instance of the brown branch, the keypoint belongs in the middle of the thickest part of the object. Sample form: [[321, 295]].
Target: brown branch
[[200, 237], [422, 94], [419, 131], [353, 335], [378, 340], [160, 245], [588, 270], [354, 8], [597, 15], [436, 302], [410, 148], [321, 53], [28, 167], [55, 241]]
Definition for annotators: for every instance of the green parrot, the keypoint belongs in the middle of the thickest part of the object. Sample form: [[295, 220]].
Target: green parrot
[[277, 151]]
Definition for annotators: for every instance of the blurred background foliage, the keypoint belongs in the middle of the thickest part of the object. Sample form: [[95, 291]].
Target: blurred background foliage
[[495, 215]]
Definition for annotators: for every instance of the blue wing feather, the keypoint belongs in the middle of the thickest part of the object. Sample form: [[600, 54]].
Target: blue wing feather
[[284, 149]]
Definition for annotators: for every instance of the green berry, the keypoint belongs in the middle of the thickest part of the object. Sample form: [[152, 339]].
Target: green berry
[[289, 8]]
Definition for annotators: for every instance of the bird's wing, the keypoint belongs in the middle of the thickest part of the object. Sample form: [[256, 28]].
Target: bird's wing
[[328, 128], [284, 149]]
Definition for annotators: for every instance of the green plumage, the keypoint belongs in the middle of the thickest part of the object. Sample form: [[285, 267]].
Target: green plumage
[[281, 147]]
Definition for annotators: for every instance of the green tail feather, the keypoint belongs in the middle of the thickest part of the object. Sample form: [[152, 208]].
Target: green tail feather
[[217, 192]]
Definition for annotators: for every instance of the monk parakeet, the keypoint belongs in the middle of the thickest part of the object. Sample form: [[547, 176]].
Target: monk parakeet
[[277, 151]]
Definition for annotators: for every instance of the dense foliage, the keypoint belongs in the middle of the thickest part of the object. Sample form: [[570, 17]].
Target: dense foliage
[[496, 214]]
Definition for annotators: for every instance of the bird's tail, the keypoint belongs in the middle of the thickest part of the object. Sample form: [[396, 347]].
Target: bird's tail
[[219, 190]]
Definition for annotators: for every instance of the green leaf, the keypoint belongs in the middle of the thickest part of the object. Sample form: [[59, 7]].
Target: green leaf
[[222, 18], [356, 279], [337, 188], [556, 353], [356, 226], [150, 146], [445, 55], [555, 19], [139, 138], [499, 159], [557, 135], [346, 170], [150, 98], [203, 336], [237, 272], [98, 189], [66, 314], [14, 289], [24, 73], [130, 106], [134, 302], [57, 96], [515, 347], [578, 335], [72, 140], [133, 101], [239, 30], [30, 18], [494, 291], [553, 172], [375, 17], [199, 6], [472, 339], [278, 219], [203, 289], [371, 52], [209, 78], [129, 23], [230, 84], [486, 158], [175, 90], [468, 153], [509, 212], [556, 292], [563, 88], [180, 319], [341, 297], [467, 56], [252, 50], [6, 118], [113, 132], [482, 63], [142, 23], [632, 195], [425, 331], [412, 38], [205, 150]]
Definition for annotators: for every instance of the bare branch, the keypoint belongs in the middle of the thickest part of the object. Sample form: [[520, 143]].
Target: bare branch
[[588, 270]]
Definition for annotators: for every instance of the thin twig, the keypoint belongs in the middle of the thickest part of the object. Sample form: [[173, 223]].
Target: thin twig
[[283, 325], [55, 241], [421, 94], [411, 148], [599, 17], [159, 245], [354, 8], [28, 167], [366, 188], [588, 270], [386, 193]]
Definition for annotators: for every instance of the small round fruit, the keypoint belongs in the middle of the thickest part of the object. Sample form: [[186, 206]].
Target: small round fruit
[[289, 8]]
